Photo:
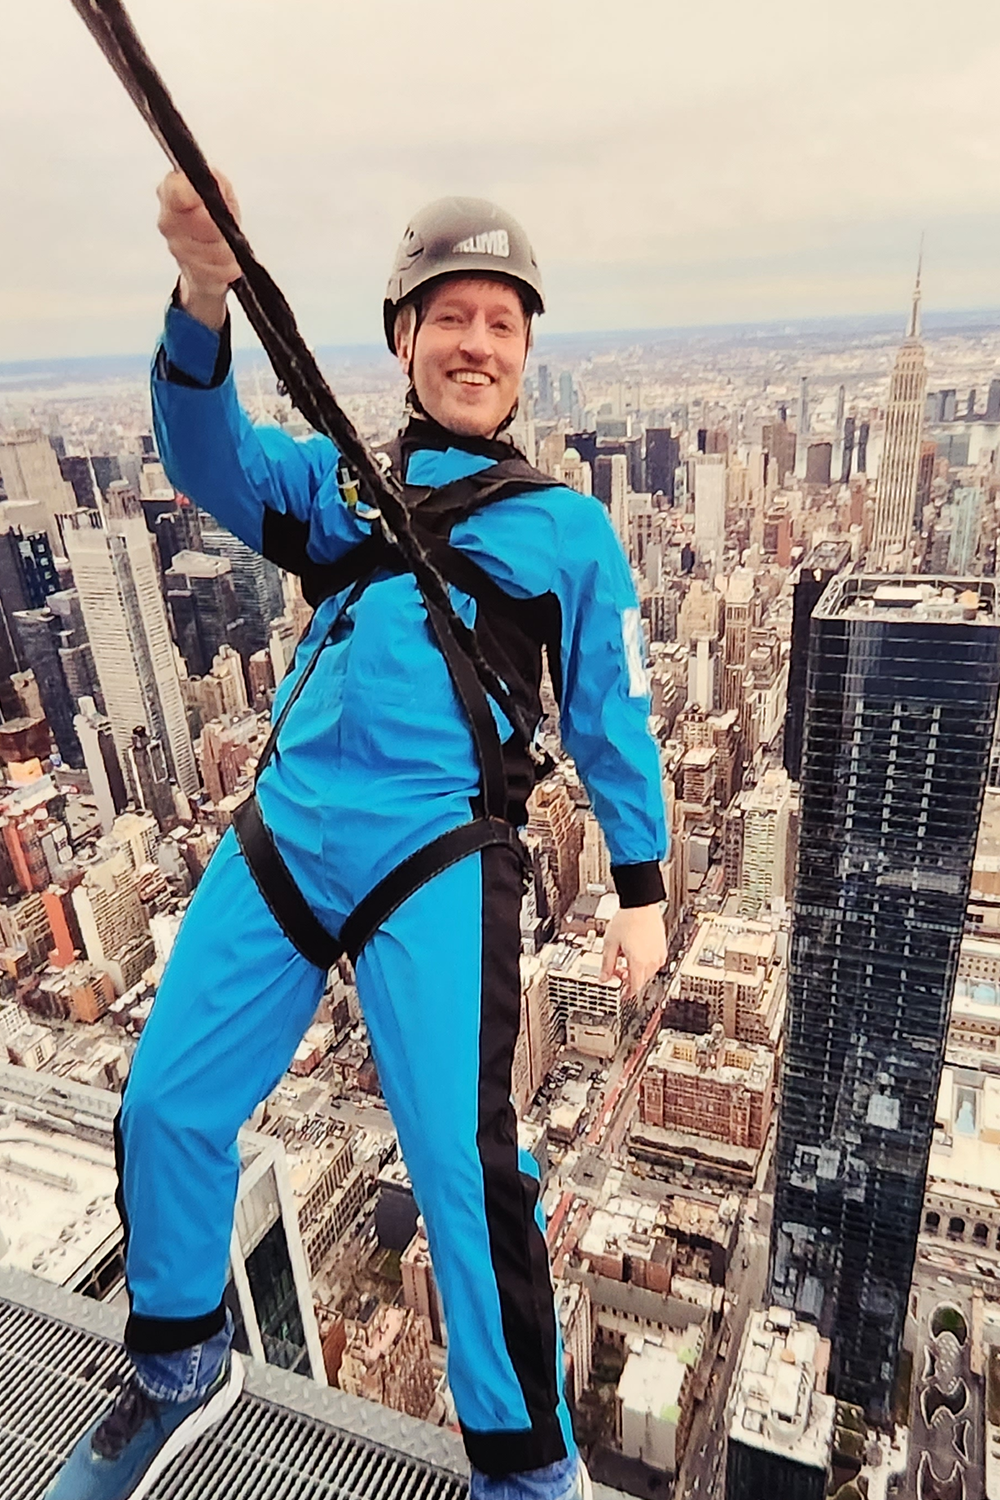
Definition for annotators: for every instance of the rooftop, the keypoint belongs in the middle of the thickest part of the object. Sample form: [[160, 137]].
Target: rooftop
[[776, 1403], [713, 1055], [915, 600], [57, 1174], [653, 1378]]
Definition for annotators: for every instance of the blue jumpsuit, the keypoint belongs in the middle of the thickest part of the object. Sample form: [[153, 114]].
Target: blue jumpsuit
[[375, 759]]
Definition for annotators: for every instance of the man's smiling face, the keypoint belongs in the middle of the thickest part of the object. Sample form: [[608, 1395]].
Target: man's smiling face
[[467, 356]]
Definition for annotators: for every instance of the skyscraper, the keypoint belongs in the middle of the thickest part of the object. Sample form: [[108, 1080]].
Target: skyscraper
[[710, 492], [74, 647], [257, 581], [902, 695], [848, 450], [101, 760], [30, 470], [114, 569], [201, 599], [898, 471], [802, 418], [38, 633], [662, 458], [823, 563], [993, 402], [76, 470], [782, 1424], [150, 776], [545, 403]]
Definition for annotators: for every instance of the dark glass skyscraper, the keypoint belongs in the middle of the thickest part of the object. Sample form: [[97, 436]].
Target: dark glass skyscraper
[[901, 700], [662, 458]]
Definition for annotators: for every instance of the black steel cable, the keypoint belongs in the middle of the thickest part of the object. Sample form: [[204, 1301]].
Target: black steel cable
[[274, 324]]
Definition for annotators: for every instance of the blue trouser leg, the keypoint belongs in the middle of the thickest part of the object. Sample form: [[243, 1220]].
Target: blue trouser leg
[[440, 989], [233, 1004]]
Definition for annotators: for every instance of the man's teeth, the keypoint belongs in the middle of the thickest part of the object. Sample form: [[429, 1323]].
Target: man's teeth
[[470, 377]]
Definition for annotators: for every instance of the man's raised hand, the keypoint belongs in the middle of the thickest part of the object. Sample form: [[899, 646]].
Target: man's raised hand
[[207, 264]]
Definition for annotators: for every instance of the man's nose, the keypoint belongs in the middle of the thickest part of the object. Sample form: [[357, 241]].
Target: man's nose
[[475, 342]]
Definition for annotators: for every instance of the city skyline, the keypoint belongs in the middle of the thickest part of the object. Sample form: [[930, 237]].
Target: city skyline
[[593, 116]]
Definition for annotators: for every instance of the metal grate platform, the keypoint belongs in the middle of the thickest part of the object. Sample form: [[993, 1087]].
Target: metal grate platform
[[286, 1439], [53, 1382]]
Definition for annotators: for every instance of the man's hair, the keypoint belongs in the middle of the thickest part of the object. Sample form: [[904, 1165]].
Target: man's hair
[[407, 319]]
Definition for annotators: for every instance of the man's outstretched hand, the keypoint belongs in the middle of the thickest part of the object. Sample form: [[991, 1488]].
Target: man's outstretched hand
[[207, 264], [636, 934]]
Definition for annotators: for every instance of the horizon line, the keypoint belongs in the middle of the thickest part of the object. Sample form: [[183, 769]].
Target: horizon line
[[646, 331]]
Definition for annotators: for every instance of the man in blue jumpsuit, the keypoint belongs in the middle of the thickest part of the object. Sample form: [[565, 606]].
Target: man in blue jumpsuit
[[375, 758]]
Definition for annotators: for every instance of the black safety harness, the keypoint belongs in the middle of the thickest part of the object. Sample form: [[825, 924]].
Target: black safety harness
[[511, 633]]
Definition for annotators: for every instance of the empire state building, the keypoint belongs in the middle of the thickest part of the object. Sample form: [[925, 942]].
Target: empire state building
[[898, 472]]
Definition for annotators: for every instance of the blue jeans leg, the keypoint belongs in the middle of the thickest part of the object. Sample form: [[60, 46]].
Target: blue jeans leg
[[555, 1482], [186, 1374]]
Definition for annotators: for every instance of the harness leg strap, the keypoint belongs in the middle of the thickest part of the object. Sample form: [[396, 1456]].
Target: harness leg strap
[[273, 878], [420, 867], [295, 917]]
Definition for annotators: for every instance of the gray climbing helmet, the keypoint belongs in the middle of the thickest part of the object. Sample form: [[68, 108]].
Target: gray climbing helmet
[[461, 236]]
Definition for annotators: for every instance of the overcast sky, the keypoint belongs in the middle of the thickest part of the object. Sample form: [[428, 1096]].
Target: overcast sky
[[674, 163]]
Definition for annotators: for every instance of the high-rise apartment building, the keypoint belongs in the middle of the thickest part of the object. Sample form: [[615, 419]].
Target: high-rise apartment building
[[741, 616], [766, 818], [899, 469], [113, 921], [114, 569], [552, 819], [902, 697], [595, 860]]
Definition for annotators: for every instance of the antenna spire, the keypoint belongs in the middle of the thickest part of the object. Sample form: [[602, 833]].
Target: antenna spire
[[914, 329]]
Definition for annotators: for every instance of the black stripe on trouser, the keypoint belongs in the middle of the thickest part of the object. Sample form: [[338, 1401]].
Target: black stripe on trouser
[[517, 1245], [157, 1335]]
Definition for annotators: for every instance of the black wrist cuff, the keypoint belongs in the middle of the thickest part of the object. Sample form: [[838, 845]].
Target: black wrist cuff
[[165, 370], [638, 885]]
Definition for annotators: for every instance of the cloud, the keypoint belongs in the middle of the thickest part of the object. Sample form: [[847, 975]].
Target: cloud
[[672, 163]]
